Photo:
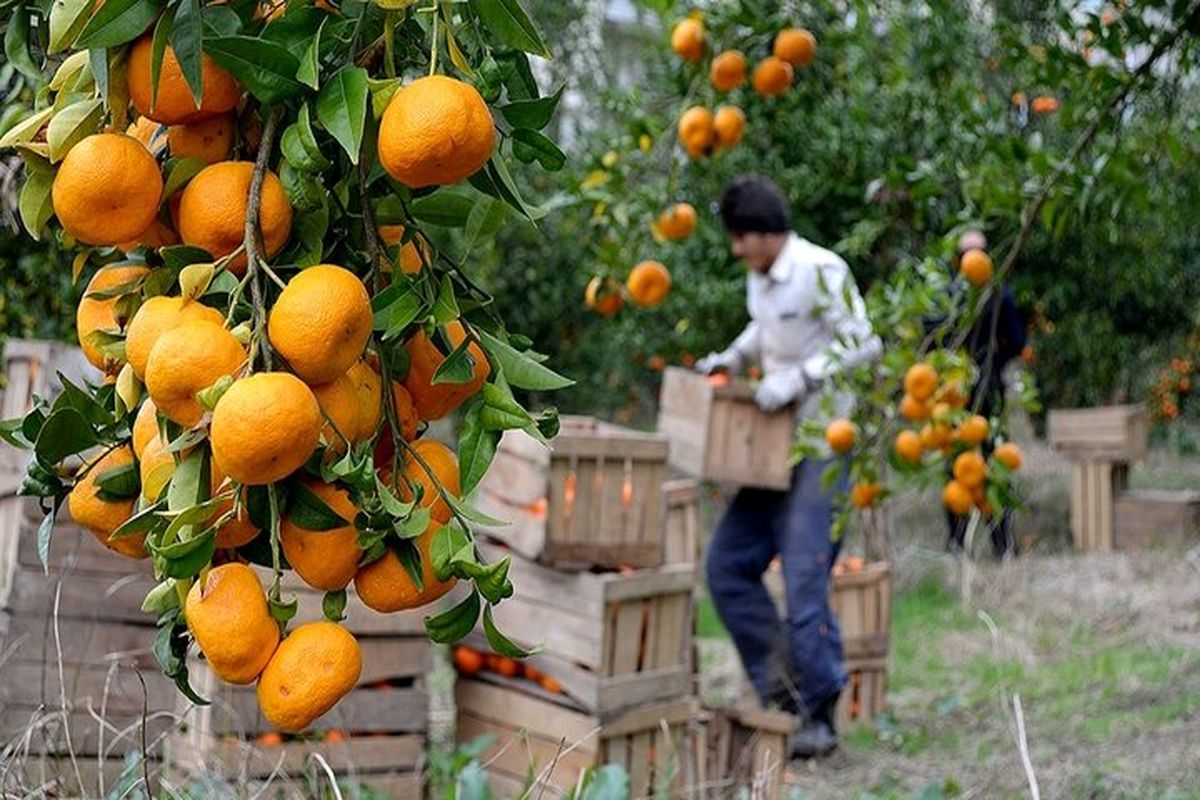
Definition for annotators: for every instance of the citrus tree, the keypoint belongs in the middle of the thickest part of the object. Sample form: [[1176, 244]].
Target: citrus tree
[[273, 207]]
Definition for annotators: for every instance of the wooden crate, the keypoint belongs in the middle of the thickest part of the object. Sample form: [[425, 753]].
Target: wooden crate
[[1112, 433], [661, 746], [681, 517], [379, 728], [593, 499], [1094, 487], [612, 640], [1152, 518], [748, 751], [861, 601], [718, 433], [865, 694]]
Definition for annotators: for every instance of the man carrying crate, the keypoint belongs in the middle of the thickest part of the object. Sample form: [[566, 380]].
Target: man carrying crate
[[807, 321]]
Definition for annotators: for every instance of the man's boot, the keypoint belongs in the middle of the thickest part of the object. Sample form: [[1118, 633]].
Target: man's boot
[[816, 736]]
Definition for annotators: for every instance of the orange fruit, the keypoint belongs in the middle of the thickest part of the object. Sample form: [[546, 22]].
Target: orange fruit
[[852, 564], [976, 267], [435, 131], [212, 211], [840, 434], [772, 76], [973, 430], [155, 317], [603, 295], [935, 436], [914, 410], [228, 616], [796, 46], [687, 39], [340, 402], [436, 400], [414, 254], [729, 124], [677, 222], [238, 530], [550, 685], [368, 388], [1044, 104], [970, 470], [1009, 454], [441, 460], [467, 661], [920, 381], [321, 322], [508, 667], [264, 428], [648, 283], [100, 516], [696, 131], [209, 140], [728, 71], [100, 314], [864, 493], [174, 103], [157, 234], [185, 360], [385, 585], [145, 426], [952, 394], [107, 189], [908, 446], [312, 669], [957, 498], [325, 560]]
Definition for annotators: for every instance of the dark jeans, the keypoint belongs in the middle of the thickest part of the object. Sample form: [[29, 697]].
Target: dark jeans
[[801, 656]]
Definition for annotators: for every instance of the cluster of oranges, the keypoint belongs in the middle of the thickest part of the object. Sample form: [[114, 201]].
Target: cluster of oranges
[[211, 394], [470, 662], [947, 429], [1171, 389], [649, 282]]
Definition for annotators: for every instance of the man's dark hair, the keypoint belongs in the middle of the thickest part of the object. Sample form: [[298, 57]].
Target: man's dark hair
[[752, 204]]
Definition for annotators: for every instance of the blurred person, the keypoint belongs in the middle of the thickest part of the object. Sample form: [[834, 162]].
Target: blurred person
[[807, 321]]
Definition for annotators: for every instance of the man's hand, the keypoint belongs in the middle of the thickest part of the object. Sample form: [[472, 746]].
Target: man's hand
[[717, 362], [780, 388]]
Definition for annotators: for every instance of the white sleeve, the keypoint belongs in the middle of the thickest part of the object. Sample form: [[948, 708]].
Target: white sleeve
[[746, 346], [852, 342]]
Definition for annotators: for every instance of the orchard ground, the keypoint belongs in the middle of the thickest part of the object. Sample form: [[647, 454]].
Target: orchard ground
[[1103, 650]]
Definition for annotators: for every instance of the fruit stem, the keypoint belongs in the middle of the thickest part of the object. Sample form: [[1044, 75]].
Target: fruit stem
[[374, 252], [433, 50], [183, 585], [389, 36], [276, 563], [252, 237]]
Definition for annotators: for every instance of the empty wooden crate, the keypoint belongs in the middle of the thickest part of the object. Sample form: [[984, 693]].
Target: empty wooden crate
[[1150, 518], [594, 498], [681, 528], [862, 602], [612, 640], [718, 433], [1110, 433], [748, 751], [865, 694], [661, 746]]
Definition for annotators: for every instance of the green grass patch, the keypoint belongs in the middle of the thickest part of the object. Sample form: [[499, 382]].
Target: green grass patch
[[708, 624]]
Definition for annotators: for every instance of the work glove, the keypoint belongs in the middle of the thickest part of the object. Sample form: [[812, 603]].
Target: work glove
[[727, 361], [779, 388]]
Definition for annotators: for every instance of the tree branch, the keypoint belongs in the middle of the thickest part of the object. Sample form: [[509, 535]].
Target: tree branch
[[252, 237]]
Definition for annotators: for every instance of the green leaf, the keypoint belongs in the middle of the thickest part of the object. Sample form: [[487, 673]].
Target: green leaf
[[519, 369], [342, 108], [447, 209], [303, 191], [531, 114], [530, 146], [71, 125], [299, 145], [458, 366], [609, 782], [510, 25], [445, 307], [142, 522], [189, 483], [116, 23], [476, 448], [220, 20], [452, 625], [487, 216], [400, 314], [64, 433], [178, 172], [36, 204], [308, 511], [45, 532], [283, 612], [67, 18], [333, 606], [310, 61], [381, 94], [16, 46], [187, 40], [501, 643], [179, 256], [26, 129], [468, 512], [492, 579], [119, 483], [266, 69]]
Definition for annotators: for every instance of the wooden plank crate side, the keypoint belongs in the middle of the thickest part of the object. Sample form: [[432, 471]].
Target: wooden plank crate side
[[54, 775], [681, 521], [1094, 485], [1149, 518], [1115, 433], [865, 694], [748, 750], [532, 733]]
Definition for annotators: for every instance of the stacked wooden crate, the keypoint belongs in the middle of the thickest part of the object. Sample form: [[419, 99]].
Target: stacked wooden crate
[[1101, 443], [1155, 518], [594, 587], [78, 676], [376, 736], [748, 749]]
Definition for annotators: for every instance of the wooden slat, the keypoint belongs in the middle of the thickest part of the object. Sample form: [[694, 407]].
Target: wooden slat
[[362, 755], [395, 710], [1114, 433]]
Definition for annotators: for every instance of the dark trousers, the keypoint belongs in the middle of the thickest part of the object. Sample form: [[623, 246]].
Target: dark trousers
[[799, 657]]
